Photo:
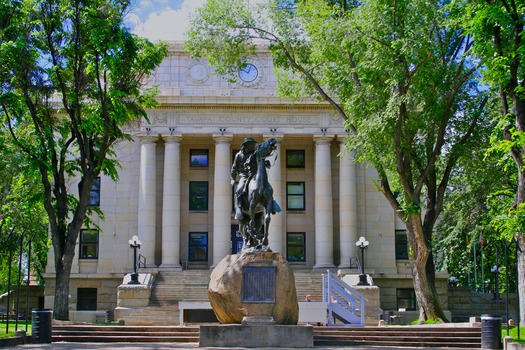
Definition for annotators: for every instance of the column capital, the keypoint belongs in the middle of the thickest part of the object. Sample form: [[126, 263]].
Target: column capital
[[148, 139], [323, 139], [222, 138], [175, 138], [279, 137], [341, 139]]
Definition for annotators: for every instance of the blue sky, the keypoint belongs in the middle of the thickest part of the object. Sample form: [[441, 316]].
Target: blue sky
[[161, 19]]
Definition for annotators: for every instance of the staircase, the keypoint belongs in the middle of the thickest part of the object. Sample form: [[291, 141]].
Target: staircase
[[344, 302], [400, 336], [132, 334], [170, 287], [391, 336], [308, 282]]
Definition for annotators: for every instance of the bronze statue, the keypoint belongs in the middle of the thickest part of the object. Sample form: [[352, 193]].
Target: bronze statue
[[254, 201]]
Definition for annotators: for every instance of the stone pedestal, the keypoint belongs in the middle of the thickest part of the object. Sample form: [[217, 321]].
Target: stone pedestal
[[258, 284], [261, 336], [133, 296]]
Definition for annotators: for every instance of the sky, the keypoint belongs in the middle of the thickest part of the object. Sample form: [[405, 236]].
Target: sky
[[161, 19]]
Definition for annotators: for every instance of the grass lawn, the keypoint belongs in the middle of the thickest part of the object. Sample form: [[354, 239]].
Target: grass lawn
[[513, 332], [21, 325]]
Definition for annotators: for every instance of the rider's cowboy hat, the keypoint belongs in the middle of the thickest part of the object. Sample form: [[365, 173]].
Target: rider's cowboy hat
[[248, 140]]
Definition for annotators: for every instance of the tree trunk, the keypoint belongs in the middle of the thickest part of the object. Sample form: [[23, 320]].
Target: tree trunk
[[63, 273], [424, 284]]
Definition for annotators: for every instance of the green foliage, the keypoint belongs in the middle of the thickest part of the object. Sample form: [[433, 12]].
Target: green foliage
[[21, 210], [74, 94], [480, 194], [398, 74]]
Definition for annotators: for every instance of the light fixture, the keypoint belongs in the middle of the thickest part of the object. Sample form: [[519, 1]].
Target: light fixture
[[362, 244], [148, 131], [134, 243], [171, 129], [323, 130], [496, 270], [222, 130], [273, 131]]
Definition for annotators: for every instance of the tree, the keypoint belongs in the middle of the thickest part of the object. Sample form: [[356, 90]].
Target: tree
[[498, 28], [395, 71], [21, 211], [72, 73], [480, 190]]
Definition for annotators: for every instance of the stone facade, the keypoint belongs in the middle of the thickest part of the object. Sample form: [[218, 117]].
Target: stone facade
[[212, 115]]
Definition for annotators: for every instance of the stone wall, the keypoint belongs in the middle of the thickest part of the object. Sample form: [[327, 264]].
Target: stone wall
[[464, 303]]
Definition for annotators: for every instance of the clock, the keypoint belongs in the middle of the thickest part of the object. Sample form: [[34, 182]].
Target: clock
[[249, 73], [198, 72]]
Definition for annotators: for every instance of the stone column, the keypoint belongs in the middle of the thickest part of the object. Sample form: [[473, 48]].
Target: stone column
[[276, 234], [324, 227], [147, 198], [171, 202], [347, 207], [222, 199]]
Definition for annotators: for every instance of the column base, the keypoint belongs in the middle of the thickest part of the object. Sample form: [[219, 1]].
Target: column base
[[174, 267], [323, 266]]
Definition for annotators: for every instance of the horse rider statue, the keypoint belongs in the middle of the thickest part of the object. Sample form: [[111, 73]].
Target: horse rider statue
[[245, 166]]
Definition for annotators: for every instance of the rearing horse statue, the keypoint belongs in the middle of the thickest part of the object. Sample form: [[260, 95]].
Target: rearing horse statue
[[259, 203]]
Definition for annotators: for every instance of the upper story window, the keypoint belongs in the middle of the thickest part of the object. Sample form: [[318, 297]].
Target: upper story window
[[94, 194], [199, 158], [295, 158], [401, 245], [88, 244], [295, 197], [198, 195]]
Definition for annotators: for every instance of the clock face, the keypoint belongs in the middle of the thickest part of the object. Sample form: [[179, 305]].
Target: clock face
[[249, 73]]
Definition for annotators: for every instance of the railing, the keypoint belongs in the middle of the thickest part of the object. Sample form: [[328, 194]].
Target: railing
[[141, 262], [344, 302]]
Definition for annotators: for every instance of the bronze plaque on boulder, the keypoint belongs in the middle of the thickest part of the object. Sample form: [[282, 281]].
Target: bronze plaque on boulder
[[258, 284]]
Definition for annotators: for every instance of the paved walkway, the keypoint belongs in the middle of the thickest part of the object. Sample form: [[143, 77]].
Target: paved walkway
[[169, 346]]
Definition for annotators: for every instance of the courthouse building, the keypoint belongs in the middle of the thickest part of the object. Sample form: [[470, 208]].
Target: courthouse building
[[174, 188]]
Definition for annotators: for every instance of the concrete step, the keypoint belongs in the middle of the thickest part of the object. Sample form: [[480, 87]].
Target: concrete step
[[406, 336], [402, 336], [90, 333]]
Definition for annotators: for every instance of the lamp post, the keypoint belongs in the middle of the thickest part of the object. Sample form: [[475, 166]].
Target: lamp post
[[362, 244], [135, 244], [495, 270]]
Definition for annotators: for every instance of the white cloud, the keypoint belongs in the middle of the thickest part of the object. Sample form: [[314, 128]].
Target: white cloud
[[165, 23]]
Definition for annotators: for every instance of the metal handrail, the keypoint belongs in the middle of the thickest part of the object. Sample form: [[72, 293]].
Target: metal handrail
[[142, 261], [343, 301]]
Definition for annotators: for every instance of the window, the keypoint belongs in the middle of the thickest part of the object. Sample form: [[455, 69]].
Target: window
[[198, 246], [295, 246], [295, 195], [401, 245], [198, 195], [87, 299], [88, 244], [94, 194], [295, 158], [199, 158], [406, 298]]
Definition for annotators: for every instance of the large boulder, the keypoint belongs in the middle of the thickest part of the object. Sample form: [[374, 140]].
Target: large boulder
[[267, 291]]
